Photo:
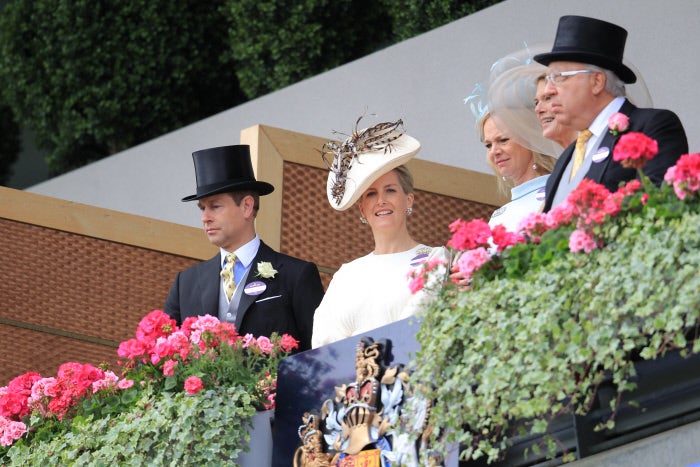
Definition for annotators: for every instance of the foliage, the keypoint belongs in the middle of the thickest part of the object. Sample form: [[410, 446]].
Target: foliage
[[199, 384], [410, 18], [547, 320], [9, 143], [90, 79], [278, 43], [209, 429]]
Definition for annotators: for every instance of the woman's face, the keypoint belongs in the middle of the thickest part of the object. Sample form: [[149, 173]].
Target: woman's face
[[384, 203], [508, 158]]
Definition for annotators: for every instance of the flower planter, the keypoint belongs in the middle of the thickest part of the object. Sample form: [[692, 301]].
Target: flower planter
[[521, 453], [667, 396], [260, 453]]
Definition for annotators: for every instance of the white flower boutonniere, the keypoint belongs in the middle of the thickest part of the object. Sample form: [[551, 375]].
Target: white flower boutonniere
[[266, 270]]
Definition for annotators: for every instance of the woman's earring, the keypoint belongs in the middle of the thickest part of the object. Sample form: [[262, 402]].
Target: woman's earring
[[504, 178], [363, 219], [534, 166], [409, 211]]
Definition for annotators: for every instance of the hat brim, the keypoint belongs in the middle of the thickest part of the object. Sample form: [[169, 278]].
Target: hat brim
[[620, 69], [262, 188], [368, 167]]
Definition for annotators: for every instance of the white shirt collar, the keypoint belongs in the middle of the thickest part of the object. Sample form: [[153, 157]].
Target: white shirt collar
[[600, 124], [245, 254], [524, 188]]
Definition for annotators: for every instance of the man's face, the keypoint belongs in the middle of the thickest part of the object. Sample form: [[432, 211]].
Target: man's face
[[572, 96], [226, 223]]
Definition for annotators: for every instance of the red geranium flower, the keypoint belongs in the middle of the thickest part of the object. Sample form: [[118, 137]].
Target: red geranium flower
[[633, 150]]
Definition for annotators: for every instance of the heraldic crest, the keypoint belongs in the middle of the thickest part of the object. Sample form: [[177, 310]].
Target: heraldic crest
[[358, 426]]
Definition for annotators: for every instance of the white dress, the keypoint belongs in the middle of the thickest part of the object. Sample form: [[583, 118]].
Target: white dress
[[525, 198], [369, 292]]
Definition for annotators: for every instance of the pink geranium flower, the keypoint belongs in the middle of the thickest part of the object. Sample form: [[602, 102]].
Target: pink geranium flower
[[154, 325], [132, 348], [580, 240], [271, 401], [583, 206], [472, 260], [169, 367], [416, 280], [288, 343], [685, 176], [10, 431], [633, 150], [125, 383], [45, 387], [264, 344], [469, 235], [193, 385], [534, 224], [418, 276], [248, 341], [503, 238], [14, 402], [109, 380]]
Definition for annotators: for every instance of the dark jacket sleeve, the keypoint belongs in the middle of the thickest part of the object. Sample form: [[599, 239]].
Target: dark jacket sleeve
[[307, 297], [172, 301], [667, 130]]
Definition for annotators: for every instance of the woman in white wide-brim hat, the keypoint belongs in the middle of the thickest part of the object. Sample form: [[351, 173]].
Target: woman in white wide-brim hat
[[368, 170]]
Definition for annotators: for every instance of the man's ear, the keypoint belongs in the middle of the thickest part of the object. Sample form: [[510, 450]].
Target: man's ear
[[248, 206], [599, 80]]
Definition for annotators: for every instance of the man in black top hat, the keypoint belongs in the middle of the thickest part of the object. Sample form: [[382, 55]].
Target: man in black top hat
[[249, 284], [586, 84]]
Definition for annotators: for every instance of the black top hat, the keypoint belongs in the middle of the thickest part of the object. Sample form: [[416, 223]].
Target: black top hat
[[225, 169], [590, 40]]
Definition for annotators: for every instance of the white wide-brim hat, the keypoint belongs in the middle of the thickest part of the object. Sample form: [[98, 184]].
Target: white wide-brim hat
[[364, 157]]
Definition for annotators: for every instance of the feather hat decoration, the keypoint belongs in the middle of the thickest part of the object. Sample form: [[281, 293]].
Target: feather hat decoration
[[362, 158]]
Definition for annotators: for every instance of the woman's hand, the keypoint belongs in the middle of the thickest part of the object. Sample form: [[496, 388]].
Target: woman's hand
[[457, 277]]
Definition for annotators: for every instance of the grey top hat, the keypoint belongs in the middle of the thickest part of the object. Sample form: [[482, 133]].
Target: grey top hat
[[589, 40], [225, 169]]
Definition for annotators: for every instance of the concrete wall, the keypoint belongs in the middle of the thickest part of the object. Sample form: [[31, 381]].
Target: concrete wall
[[422, 80]]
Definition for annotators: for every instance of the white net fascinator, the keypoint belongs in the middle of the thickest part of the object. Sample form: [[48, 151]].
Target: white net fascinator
[[511, 97]]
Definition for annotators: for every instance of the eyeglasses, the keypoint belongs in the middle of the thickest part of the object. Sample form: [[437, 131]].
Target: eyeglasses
[[560, 77]]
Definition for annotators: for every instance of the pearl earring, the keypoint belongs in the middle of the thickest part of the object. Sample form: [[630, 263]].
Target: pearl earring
[[504, 178], [363, 219], [534, 166], [409, 211]]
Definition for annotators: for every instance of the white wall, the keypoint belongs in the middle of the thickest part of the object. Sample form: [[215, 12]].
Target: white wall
[[422, 80]]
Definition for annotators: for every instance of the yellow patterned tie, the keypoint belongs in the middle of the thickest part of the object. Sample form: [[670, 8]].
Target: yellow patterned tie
[[580, 151], [227, 275]]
